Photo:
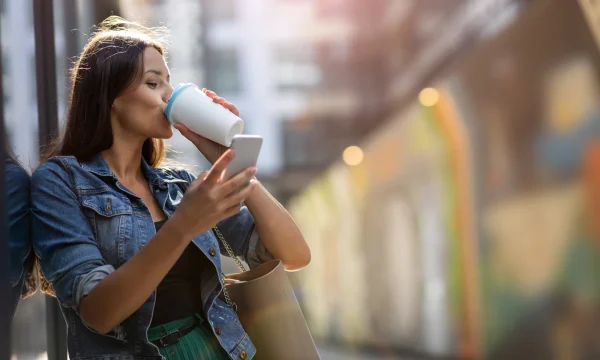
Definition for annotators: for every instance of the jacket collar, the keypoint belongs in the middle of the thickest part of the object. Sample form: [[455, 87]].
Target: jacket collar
[[156, 176]]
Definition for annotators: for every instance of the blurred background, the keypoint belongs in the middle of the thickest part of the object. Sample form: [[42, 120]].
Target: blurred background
[[442, 158]]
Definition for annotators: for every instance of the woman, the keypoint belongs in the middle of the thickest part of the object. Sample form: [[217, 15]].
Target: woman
[[133, 262], [22, 279]]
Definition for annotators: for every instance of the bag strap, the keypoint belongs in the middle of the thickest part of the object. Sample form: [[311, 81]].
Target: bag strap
[[229, 249]]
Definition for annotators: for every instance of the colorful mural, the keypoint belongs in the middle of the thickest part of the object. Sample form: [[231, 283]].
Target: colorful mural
[[471, 227]]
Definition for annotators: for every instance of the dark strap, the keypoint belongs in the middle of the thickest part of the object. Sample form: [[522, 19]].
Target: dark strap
[[176, 335]]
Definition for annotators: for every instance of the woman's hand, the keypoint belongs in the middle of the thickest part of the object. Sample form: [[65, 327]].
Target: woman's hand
[[209, 199], [210, 149]]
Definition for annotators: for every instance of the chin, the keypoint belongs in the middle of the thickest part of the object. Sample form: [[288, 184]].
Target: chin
[[167, 134], [163, 130]]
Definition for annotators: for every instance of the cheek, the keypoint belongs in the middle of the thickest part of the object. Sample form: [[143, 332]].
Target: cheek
[[146, 101], [137, 110], [132, 115]]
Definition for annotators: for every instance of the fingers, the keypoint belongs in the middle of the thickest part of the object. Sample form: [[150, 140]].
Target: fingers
[[229, 106], [209, 93], [214, 96], [214, 174], [221, 101], [227, 281], [181, 128], [237, 181], [189, 134], [238, 197], [185, 131]]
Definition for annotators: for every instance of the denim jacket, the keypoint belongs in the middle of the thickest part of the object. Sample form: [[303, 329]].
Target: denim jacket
[[19, 229], [86, 224]]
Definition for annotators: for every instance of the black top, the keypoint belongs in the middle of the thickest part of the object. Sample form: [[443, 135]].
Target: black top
[[178, 294]]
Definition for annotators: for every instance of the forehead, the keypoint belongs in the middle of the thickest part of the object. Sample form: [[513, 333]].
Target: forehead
[[153, 59]]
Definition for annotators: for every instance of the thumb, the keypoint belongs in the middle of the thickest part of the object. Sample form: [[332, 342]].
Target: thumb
[[201, 177], [196, 139]]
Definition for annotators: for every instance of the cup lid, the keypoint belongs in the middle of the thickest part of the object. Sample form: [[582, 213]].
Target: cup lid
[[178, 89]]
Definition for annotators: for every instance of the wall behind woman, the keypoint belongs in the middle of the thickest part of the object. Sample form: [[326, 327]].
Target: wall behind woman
[[28, 334]]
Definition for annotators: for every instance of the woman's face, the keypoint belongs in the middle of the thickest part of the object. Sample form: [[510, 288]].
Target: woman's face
[[139, 111]]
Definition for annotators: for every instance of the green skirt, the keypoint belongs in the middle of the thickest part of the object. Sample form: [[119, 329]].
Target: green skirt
[[199, 343]]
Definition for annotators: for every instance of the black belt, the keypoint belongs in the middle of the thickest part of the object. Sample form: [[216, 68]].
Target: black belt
[[176, 335]]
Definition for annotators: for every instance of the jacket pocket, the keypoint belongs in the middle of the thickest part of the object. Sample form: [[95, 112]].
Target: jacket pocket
[[110, 219]]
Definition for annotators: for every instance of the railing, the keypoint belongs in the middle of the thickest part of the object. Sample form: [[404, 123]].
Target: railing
[[45, 67], [4, 280]]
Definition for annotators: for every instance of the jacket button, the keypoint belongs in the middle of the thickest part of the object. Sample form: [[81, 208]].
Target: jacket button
[[173, 353], [218, 331], [243, 355], [212, 252]]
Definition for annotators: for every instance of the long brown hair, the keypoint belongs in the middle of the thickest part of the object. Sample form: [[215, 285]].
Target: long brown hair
[[110, 62]]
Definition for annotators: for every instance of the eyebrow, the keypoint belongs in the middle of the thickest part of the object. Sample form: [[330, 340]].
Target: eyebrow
[[158, 72]]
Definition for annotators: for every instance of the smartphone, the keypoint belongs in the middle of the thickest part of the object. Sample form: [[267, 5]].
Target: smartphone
[[247, 148]]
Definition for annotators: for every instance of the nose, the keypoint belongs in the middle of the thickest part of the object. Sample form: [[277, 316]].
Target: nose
[[168, 93]]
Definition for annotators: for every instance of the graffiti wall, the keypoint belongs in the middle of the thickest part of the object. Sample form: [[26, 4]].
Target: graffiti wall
[[472, 226]]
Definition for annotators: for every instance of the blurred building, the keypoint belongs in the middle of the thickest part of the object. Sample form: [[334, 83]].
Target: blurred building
[[73, 23], [18, 76], [391, 51], [457, 234], [264, 56]]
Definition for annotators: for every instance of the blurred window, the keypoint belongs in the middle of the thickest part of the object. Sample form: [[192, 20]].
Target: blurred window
[[221, 10], [223, 73], [296, 68]]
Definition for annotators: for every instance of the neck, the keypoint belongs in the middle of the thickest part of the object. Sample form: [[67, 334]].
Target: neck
[[124, 160]]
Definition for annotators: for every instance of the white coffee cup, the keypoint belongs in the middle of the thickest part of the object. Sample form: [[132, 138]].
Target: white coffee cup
[[189, 106]]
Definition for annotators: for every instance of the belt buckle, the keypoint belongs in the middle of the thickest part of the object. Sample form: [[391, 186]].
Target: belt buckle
[[176, 332]]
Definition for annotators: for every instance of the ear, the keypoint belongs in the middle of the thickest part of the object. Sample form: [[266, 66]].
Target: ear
[[115, 104], [116, 108]]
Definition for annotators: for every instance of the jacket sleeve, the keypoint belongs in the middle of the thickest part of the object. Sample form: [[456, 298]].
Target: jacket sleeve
[[63, 238]]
